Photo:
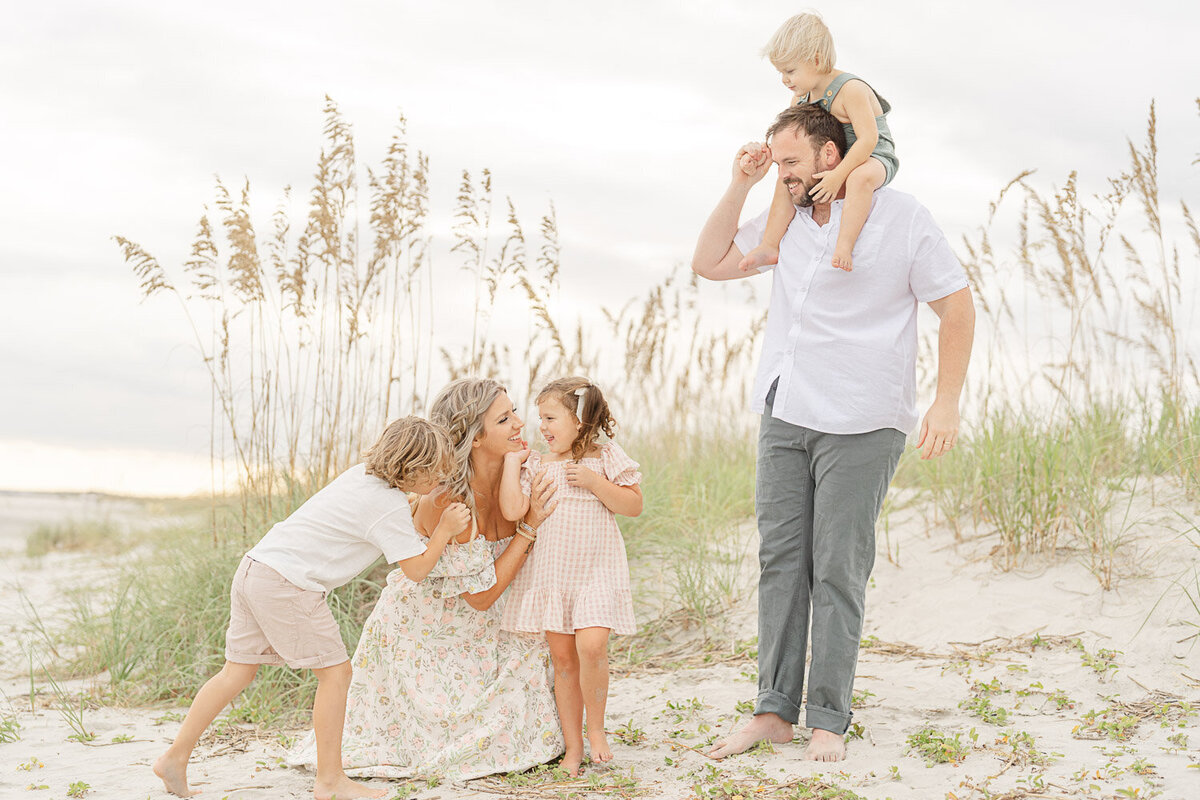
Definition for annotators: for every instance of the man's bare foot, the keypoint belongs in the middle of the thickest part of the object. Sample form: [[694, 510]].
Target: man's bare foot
[[825, 746], [761, 256], [771, 727], [598, 743], [174, 776], [842, 259], [572, 759], [344, 789]]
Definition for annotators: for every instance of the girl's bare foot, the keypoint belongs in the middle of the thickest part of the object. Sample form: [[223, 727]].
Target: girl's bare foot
[[601, 752], [825, 746], [771, 727], [761, 256], [842, 259], [572, 759], [174, 776], [344, 789]]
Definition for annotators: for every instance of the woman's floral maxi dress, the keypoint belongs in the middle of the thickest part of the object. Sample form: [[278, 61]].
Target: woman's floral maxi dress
[[439, 689]]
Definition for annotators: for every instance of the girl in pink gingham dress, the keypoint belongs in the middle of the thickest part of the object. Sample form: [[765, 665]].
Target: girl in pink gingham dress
[[575, 585]]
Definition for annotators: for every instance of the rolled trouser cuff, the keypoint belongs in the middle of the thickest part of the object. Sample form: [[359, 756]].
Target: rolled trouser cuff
[[771, 702], [825, 718]]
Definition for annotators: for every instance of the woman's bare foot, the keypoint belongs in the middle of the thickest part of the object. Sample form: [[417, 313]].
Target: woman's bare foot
[[598, 743], [572, 759], [761, 256], [842, 259], [174, 776], [344, 789], [825, 746], [771, 727]]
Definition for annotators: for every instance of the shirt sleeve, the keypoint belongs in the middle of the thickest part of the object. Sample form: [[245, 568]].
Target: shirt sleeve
[[395, 534], [935, 271], [619, 467], [750, 236]]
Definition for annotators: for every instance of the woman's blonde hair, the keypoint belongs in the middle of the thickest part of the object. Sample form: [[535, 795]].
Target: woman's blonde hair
[[586, 403], [409, 451], [460, 408], [803, 39]]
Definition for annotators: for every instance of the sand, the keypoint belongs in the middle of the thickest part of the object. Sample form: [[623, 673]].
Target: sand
[[945, 628]]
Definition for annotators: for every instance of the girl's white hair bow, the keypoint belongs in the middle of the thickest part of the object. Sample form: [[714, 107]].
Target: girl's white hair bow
[[579, 395]]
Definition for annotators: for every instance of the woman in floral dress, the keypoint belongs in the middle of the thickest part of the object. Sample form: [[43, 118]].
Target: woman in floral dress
[[438, 688]]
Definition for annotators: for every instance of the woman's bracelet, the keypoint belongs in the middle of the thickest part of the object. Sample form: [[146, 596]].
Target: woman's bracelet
[[527, 530]]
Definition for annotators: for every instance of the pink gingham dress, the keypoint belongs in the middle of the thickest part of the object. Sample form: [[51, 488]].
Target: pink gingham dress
[[577, 575]]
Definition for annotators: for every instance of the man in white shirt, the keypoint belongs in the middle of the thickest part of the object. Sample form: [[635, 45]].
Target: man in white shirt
[[836, 390]]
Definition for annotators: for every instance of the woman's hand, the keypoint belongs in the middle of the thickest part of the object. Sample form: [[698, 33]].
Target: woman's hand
[[541, 499]]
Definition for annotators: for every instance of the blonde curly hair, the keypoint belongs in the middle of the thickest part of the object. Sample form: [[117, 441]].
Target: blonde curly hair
[[459, 408], [409, 451]]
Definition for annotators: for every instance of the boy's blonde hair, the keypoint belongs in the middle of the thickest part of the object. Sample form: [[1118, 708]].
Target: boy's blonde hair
[[803, 39], [409, 451]]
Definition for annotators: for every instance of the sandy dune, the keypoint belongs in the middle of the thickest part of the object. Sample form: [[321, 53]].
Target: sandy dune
[[1086, 693]]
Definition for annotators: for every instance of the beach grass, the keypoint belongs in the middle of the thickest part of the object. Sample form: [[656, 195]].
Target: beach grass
[[1083, 393]]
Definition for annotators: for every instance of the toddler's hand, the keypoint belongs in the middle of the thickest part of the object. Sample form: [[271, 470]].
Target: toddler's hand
[[518, 456], [827, 188], [454, 521], [581, 476], [752, 161]]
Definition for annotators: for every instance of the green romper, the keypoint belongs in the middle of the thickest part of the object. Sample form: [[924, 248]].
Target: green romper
[[885, 148]]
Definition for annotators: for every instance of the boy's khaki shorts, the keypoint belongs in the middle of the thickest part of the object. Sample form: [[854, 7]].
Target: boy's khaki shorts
[[274, 621]]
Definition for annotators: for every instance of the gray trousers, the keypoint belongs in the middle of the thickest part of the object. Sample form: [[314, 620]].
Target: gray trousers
[[817, 498]]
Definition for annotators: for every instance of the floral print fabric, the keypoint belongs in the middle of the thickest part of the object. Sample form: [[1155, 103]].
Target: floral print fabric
[[439, 689]]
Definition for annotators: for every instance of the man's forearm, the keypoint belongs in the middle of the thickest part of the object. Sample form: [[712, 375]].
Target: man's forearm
[[956, 334], [716, 237]]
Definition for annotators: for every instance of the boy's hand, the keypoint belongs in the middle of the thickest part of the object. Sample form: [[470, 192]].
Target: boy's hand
[[827, 189], [581, 476], [454, 521], [752, 161]]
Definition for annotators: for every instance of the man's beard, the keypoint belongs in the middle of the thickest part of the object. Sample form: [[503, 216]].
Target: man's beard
[[804, 199]]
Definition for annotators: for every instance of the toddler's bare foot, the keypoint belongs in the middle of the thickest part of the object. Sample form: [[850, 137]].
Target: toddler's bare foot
[[825, 746], [343, 789], [771, 727], [174, 776], [601, 752], [572, 759], [842, 259], [761, 256]]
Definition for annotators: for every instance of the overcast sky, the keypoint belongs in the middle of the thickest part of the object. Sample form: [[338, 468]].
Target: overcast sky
[[117, 115]]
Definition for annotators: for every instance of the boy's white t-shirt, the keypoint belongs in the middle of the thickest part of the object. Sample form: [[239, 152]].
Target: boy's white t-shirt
[[339, 531]]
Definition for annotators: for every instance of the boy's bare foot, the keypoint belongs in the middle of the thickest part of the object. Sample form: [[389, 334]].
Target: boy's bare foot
[[842, 259], [601, 752], [174, 776], [825, 746], [761, 256], [771, 727], [572, 759], [343, 789]]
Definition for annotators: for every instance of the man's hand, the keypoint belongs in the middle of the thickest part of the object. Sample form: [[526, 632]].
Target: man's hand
[[939, 430], [752, 162], [826, 190]]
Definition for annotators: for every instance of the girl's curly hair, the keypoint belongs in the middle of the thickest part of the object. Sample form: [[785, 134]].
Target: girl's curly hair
[[586, 402]]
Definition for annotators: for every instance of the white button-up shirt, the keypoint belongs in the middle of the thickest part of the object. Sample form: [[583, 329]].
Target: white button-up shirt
[[843, 345]]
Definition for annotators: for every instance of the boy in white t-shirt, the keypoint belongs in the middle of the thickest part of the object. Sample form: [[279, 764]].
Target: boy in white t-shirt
[[278, 613]]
